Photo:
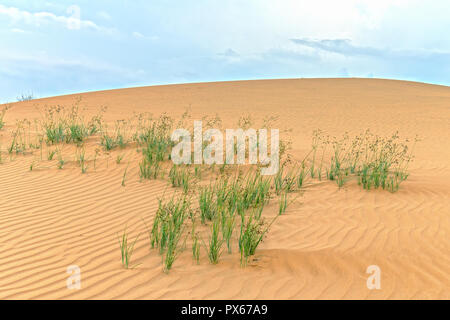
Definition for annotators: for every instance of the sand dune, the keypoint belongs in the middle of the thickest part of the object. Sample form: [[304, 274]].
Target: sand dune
[[319, 249]]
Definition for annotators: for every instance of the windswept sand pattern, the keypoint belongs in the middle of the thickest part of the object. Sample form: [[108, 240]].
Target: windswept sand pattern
[[320, 248]]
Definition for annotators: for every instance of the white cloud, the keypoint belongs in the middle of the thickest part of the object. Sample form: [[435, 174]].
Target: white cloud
[[42, 60], [17, 30], [139, 35], [104, 15], [73, 21], [346, 48], [46, 74]]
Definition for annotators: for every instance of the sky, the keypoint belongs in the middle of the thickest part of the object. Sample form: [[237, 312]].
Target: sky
[[59, 47]]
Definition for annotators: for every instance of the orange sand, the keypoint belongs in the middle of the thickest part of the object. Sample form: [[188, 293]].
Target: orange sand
[[321, 247]]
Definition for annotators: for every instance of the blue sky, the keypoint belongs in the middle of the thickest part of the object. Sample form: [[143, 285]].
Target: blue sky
[[59, 47]]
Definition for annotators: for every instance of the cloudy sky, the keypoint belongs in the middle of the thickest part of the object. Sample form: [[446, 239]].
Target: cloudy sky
[[58, 47]]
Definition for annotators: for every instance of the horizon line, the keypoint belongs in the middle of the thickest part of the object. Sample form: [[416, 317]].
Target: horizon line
[[220, 81]]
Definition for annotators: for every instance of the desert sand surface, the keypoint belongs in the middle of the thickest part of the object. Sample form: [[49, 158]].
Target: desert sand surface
[[319, 248]]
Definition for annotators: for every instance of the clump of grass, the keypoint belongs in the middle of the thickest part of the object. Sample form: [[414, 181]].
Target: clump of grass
[[154, 138], [198, 172], [222, 192], [255, 190], [234, 194], [172, 250], [61, 161], [156, 143], [25, 97], [257, 212], [22, 139], [283, 203], [315, 144], [180, 177], [97, 152], [251, 234], [206, 204], [19, 139], [318, 141], [285, 181], [2, 116], [343, 160], [124, 175], [168, 227], [81, 159], [393, 181], [149, 169], [126, 249], [385, 164], [377, 162], [119, 138], [51, 154], [68, 125], [302, 172], [195, 244], [214, 247], [228, 224], [119, 158], [108, 142], [14, 144]]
